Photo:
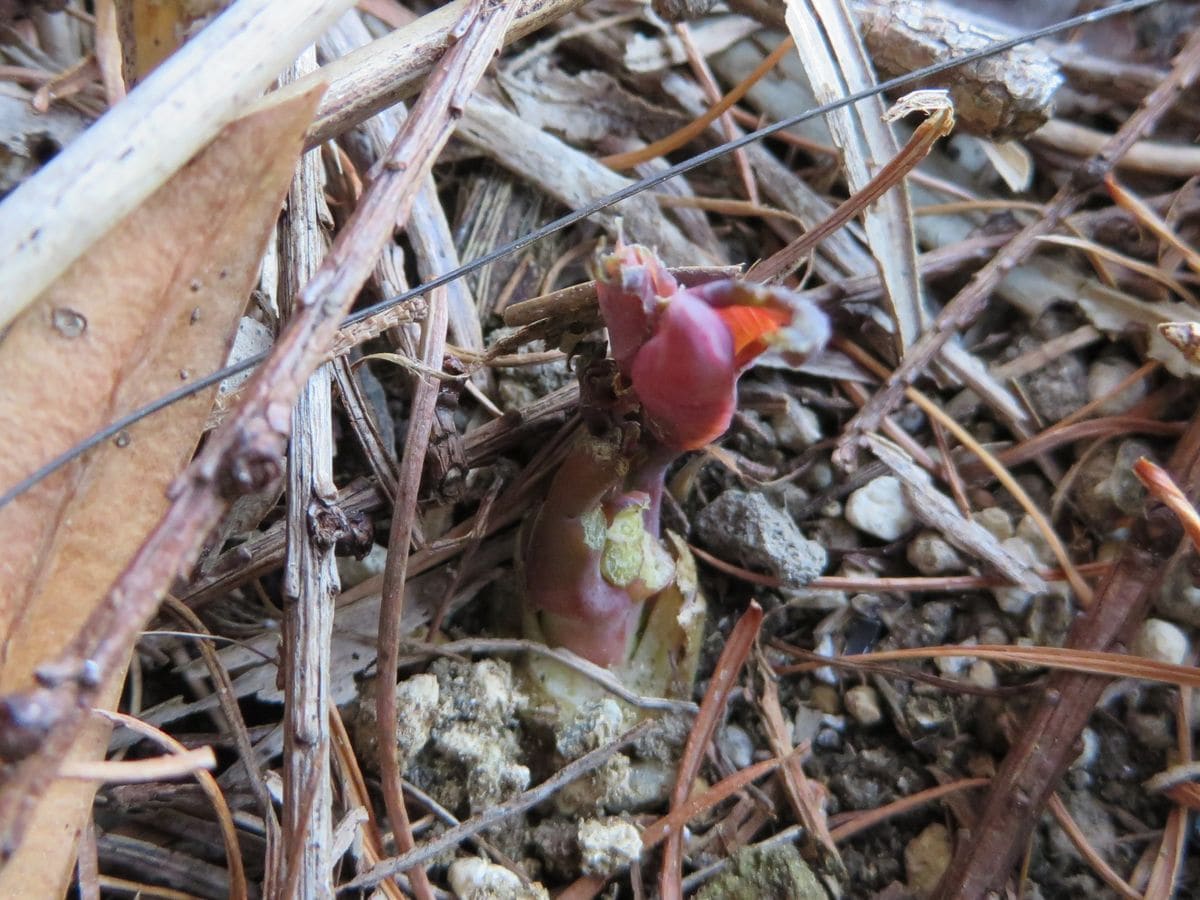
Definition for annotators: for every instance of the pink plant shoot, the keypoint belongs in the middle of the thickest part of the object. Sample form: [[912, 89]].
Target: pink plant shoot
[[682, 349], [592, 555]]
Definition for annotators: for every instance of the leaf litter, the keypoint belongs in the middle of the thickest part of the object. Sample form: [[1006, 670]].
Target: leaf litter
[[990, 681]]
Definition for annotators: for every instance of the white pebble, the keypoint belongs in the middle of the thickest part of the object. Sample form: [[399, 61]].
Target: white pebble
[[477, 879], [797, 427], [983, 675], [930, 554], [1090, 751], [1104, 375], [862, 702], [1161, 640], [953, 666], [1015, 600], [608, 846], [880, 509]]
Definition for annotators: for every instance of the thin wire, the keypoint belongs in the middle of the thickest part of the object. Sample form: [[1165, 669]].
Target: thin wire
[[570, 219]]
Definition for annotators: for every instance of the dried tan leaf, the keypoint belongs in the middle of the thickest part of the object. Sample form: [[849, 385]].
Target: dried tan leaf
[[153, 303], [837, 64]]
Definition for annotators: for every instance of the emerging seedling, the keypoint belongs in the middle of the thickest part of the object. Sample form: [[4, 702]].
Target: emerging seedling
[[599, 579]]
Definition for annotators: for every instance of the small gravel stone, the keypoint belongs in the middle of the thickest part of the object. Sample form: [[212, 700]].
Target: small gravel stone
[[826, 699], [930, 554], [478, 879], [983, 675], [747, 529], [1015, 600], [807, 722], [1179, 599], [735, 743], [353, 571], [1161, 640], [953, 666], [1058, 388], [926, 858], [1104, 375], [1151, 730], [1106, 488], [1028, 531], [880, 509], [796, 427], [862, 702], [1091, 749], [995, 520], [608, 846]]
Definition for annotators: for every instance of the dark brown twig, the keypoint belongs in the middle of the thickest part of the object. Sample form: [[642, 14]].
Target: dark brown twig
[[479, 35]]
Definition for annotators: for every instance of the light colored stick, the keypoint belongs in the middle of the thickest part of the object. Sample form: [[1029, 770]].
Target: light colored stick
[[311, 582], [51, 220]]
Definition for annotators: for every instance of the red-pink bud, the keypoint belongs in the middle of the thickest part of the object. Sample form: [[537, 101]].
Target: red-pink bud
[[685, 375]]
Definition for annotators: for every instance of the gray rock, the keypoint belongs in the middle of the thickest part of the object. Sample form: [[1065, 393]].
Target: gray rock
[[737, 746], [796, 427], [771, 873], [995, 520], [1106, 488], [1058, 388], [880, 509], [746, 528], [477, 879], [1015, 600]]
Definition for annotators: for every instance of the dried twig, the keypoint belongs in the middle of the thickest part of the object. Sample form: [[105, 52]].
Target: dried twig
[[733, 656], [310, 576]]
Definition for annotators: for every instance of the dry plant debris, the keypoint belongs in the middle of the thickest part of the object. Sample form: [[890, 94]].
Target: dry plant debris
[[284, 636]]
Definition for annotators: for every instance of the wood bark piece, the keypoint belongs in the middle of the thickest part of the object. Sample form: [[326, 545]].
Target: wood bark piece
[[157, 299], [1047, 743], [50, 220], [1003, 98]]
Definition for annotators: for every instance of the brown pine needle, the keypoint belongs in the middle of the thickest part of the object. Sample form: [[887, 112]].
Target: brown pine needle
[[1160, 484], [1092, 662], [692, 130], [136, 771], [1136, 207]]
